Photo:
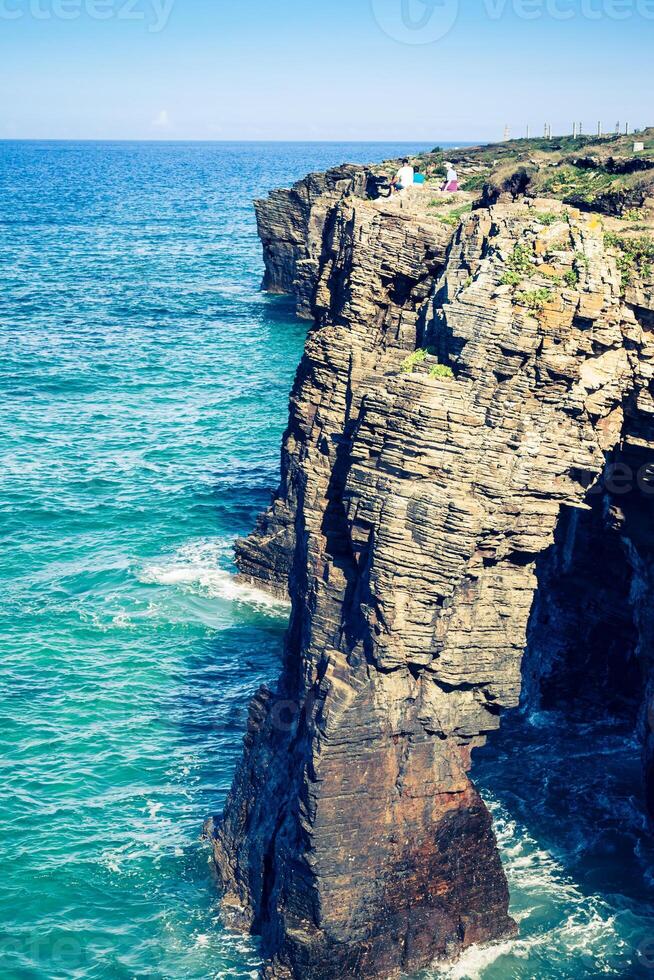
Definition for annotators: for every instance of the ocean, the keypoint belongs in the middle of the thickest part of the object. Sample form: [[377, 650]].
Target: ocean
[[144, 381]]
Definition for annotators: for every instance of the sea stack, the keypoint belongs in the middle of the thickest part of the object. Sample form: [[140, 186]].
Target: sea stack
[[477, 368]]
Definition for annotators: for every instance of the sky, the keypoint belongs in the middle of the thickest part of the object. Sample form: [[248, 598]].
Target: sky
[[418, 70]]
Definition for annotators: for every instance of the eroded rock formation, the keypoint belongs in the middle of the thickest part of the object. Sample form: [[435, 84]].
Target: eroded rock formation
[[291, 224], [416, 515]]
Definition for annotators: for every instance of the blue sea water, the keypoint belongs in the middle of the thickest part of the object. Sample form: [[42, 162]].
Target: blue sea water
[[143, 392]]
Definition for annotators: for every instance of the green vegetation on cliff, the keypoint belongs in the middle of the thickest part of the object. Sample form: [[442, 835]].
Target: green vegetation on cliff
[[594, 174]]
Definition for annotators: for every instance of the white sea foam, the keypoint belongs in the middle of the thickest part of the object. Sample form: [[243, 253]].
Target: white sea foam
[[112, 861], [586, 927], [200, 567], [153, 809], [474, 961], [577, 927], [586, 938], [122, 620]]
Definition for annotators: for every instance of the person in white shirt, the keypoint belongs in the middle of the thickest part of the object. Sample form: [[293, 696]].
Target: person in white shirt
[[452, 180], [404, 177]]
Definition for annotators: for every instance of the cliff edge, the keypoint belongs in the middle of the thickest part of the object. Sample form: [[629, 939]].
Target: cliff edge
[[477, 370]]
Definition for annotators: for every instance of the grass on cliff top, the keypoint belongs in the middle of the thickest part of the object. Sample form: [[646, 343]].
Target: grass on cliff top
[[568, 181], [488, 159], [611, 144], [578, 171]]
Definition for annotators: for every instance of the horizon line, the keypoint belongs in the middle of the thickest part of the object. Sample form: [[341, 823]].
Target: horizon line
[[145, 139]]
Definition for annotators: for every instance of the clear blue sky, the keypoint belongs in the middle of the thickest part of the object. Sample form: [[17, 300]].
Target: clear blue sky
[[321, 69]]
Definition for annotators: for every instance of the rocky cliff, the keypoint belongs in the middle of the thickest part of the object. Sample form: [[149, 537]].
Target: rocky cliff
[[463, 513], [291, 224]]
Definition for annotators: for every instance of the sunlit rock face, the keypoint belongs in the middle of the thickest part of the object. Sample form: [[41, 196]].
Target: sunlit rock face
[[420, 512]]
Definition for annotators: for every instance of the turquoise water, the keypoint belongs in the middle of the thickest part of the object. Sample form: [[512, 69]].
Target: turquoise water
[[144, 382], [144, 386]]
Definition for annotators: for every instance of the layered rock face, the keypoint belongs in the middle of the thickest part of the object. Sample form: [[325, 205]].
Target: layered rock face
[[416, 516], [291, 224]]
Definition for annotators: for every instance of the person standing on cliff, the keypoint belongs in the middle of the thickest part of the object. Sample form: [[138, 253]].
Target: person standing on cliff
[[404, 177], [452, 179]]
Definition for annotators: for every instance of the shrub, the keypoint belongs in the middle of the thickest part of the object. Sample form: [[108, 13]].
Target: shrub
[[521, 260], [582, 259], [477, 181], [571, 277], [534, 299], [546, 218], [453, 218], [511, 278], [413, 360], [636, 255], [441, 371]]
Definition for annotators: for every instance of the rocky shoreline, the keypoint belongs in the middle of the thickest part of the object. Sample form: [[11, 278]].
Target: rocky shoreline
[[452, 532]]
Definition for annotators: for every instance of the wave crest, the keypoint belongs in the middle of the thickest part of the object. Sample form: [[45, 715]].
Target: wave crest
[[205, 567]]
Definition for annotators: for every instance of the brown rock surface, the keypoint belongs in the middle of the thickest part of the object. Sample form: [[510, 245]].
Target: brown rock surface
[[412, 522]]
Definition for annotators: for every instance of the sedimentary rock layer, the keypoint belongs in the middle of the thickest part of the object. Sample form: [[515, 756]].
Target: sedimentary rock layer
[[291, 225], [414, 514]]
